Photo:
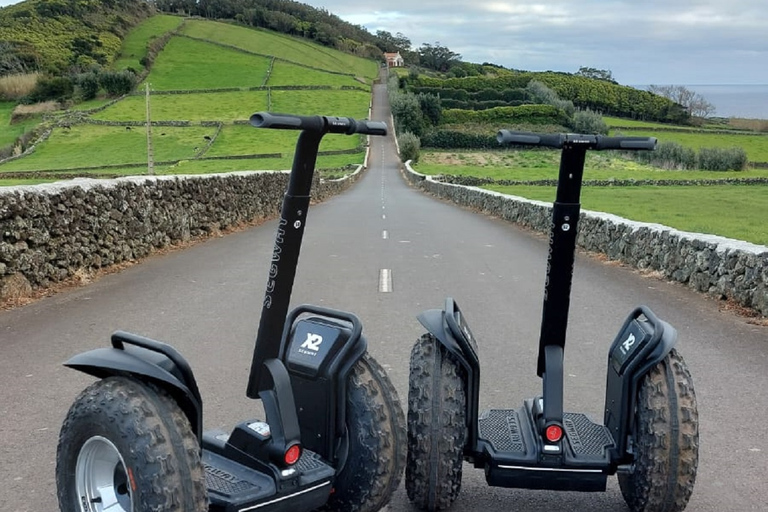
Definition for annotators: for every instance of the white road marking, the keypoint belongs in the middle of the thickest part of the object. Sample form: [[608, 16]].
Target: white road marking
[[384, 234], [385, 280]]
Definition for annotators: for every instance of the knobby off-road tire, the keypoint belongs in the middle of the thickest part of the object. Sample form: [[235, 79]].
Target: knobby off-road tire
[[129, 442], [666, 440], [437, 428], [376, 433]]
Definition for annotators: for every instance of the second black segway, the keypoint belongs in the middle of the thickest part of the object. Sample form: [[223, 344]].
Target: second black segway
[[649, 433]]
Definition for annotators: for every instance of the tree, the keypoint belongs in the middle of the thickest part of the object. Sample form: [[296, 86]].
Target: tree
[[694, 103], [597, 74], [437, 57], [389, 43]]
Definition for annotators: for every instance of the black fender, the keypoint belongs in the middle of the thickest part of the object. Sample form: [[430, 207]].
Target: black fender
[[643, 341], [319, 347], [450, 328], [146, 360]]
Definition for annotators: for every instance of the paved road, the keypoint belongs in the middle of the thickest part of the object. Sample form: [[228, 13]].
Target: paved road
[[205, 300]]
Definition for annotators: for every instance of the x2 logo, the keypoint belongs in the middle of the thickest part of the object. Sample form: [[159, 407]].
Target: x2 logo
[[626, 345], [311, 345]]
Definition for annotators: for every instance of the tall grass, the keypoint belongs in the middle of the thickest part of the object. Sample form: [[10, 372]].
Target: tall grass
[[16, 87]]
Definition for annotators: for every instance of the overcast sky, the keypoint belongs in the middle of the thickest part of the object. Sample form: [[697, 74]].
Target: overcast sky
[[641, 41]]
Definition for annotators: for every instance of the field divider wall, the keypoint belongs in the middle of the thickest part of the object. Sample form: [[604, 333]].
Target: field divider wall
[[56, 232]]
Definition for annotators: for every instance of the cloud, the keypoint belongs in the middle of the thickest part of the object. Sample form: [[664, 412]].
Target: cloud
[[658, 41]]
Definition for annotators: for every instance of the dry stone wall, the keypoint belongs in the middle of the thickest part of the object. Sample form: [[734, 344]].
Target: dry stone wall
[[719, 266], [51, 232]]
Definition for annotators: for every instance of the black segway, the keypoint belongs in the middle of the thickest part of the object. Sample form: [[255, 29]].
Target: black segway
[[334, 432], [649, 434]]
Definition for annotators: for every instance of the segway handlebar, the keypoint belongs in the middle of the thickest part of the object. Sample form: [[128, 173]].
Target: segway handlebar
[[322, 124], [558, 140]]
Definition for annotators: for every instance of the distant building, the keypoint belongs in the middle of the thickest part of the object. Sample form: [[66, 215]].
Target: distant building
[[394, 60]]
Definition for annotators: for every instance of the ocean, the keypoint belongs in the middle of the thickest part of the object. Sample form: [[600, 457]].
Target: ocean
[[748, 101]]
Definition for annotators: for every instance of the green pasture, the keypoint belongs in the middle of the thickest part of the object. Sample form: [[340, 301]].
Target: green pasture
[[541, 165], [286, 47], [11, 183], [733, 211], [258, 164], [247, 140], [90, 145], [285, 73], [221, 106], [325, 102], [756, 146], [189, 64], [91, 104], [9, 132], [135, 43], [631, 123]]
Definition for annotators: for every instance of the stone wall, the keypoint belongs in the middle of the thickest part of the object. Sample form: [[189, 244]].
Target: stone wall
[[721, 267], [52, 232]]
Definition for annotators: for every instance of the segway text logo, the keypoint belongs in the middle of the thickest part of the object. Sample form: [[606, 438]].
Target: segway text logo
[[273, 270], [626, 345], [311, 345]]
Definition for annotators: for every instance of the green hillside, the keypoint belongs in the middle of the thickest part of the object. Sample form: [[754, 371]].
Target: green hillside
[[56, 34], [206, 79]]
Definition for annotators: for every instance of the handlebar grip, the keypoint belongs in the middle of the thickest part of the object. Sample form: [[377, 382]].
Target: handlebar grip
[[286, 121], [627, 143], [325, 124], [348, 126], [371, 127], [531, 139]]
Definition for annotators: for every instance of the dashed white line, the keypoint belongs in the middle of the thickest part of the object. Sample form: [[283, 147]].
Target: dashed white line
[[384, 234], [385, 280]]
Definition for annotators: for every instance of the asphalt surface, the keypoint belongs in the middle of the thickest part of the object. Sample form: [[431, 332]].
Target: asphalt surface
[[205, 300]]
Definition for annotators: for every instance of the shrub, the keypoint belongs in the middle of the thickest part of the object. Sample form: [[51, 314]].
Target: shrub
[[51, 88], [87, 86], [431, 108], [410, 147], [673, 156], [117, 83], [540, 93], [449, 139], [588, 121], [722, 159], [668, 155], [407, 113], [532, 114]]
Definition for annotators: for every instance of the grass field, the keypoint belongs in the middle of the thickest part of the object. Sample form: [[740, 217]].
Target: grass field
[[286, 47], [90, 145], [224, 106], [310, 103], [247, 140], [9, 132], [189, 64], [732, 211], [285, 73], [271, 164], [631, 123], [135, 44], [215, 56], [540, 165]]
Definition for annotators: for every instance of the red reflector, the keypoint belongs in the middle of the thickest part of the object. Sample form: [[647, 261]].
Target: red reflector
[[554, 433], [292, 454]]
